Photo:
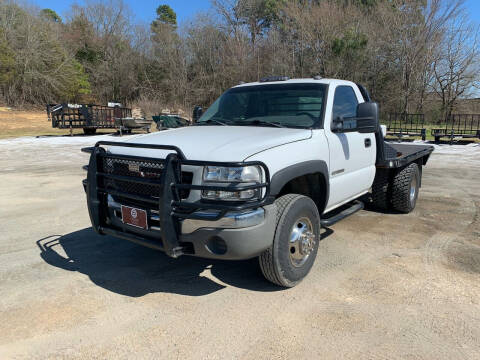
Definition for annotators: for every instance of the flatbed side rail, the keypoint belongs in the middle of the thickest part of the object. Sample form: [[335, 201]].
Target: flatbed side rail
[[167, 201]]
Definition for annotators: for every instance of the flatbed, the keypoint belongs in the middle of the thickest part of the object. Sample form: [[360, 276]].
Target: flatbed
[[398, 155]]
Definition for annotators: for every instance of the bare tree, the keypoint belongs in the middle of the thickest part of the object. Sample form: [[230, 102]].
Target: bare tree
[[42, 69], [457, 64], [402, 50], [413, 29], [103, 35]]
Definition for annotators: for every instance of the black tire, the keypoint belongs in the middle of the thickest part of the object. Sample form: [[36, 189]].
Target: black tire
[[276, 263], [404, 198], [88, 131], [380, 190]]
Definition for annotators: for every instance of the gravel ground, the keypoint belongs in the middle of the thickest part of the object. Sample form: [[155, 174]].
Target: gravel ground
[[383, 286]]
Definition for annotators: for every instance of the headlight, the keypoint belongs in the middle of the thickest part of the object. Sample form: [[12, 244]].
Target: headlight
[[231, 176]]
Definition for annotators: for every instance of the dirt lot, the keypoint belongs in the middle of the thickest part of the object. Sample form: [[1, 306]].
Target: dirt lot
[[384, 286]]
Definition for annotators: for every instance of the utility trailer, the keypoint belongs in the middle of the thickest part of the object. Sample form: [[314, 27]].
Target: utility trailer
[[459, 125], [88, 117], [127, 124], [402, 124]]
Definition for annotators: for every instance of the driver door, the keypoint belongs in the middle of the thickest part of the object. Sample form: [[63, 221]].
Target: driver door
[[352, 154]]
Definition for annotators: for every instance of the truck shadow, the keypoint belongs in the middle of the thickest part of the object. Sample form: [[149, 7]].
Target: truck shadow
[[132, 270], [369, 207]]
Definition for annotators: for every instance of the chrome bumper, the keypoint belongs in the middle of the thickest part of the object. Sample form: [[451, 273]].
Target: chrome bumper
[[231, 220]]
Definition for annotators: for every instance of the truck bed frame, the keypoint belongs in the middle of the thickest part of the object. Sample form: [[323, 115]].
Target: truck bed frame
[[391, 155]]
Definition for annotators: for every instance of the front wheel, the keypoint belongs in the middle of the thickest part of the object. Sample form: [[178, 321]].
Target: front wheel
[[295, 243]]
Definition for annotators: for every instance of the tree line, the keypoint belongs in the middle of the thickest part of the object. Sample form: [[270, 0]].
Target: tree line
[[410, 54]]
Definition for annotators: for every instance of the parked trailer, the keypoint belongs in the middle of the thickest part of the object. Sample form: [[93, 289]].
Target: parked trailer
[[459, 125], [128, 124], [402, 124], [170, 121], [85, 116]]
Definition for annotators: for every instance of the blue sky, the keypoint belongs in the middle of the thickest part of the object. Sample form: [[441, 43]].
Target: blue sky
[[145, 9]]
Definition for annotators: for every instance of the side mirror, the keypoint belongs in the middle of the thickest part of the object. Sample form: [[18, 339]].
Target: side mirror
[[366, 120], [367, 117], [341, 124], [197, 112], [337, 124]]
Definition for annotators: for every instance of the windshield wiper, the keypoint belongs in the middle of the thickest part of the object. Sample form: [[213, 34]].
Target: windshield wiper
[[209, 121], [267, 123]]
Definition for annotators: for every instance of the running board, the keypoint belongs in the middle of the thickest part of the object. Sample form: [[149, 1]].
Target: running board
[[356, 206]]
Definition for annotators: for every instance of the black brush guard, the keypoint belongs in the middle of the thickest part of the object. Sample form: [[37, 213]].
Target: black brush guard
[[170, 206]]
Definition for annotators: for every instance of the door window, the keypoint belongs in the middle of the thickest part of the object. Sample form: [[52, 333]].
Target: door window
[[344, 102]]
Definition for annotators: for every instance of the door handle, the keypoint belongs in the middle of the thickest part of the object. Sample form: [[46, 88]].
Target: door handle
[[368, 142]]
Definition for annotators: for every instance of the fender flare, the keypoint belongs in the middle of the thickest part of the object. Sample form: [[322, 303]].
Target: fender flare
[[283, 176]]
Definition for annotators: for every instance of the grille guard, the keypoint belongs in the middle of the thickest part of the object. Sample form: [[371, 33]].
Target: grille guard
[[170, 206]]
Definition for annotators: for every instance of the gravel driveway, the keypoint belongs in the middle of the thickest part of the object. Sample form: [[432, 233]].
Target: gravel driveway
[[386, 286]]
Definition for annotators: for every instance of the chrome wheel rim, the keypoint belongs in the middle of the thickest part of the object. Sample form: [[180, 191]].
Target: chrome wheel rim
[[413, 189], [302, 241]]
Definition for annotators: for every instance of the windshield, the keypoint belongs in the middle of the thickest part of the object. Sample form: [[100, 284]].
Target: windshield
[[283, 105]]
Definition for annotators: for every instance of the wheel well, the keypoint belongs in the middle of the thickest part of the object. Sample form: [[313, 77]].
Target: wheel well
[[311, 185]]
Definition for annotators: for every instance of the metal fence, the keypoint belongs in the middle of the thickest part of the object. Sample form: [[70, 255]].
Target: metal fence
[[402, 124], [459, 125]]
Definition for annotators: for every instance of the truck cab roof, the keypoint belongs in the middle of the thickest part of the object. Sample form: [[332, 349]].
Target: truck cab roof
[[266, 81]]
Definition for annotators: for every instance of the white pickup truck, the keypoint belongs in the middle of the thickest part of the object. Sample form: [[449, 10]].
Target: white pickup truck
[[257, 175]]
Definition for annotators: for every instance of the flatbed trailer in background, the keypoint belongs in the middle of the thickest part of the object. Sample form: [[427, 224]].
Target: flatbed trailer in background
[[459, 125], [88, 117], [401, 125]]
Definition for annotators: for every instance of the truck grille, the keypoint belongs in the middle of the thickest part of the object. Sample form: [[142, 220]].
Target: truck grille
[[145, 169]]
